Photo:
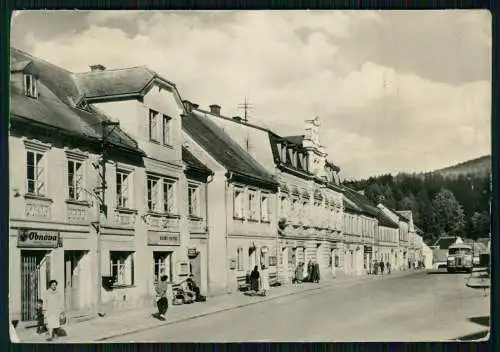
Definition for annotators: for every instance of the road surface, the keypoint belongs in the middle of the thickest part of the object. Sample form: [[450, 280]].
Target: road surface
[[419, 307]]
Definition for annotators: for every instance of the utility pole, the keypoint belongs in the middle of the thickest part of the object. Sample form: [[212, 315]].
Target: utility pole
[[246, 106], [103, 209]]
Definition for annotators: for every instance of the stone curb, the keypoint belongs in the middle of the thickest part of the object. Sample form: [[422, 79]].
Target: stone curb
[[246, 304]]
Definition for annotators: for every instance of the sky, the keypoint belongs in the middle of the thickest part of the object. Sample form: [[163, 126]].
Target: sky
[[395, 91]]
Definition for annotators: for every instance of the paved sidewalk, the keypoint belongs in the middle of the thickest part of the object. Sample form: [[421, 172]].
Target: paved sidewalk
[[124, 322]]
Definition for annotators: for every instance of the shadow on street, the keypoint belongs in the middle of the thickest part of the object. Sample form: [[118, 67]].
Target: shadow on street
[[483, 321], [435, 272]]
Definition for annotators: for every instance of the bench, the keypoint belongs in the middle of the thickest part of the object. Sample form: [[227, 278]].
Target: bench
[[274, 280], [241, 281]]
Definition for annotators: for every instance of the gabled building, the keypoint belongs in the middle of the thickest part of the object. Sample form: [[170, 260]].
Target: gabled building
[[401, 255], [387, 239], [309, 206], [54, 150], [367, 227], [242, 217], [76, 133]]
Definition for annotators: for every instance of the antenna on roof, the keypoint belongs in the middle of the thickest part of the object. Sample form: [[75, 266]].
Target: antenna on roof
[[246, 106]]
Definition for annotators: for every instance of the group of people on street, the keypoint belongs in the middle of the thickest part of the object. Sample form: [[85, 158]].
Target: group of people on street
[[188, 292], [379, 267], [258, 281], [309, 273]]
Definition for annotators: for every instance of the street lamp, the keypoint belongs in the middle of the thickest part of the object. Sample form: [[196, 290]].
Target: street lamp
[[102, 216]]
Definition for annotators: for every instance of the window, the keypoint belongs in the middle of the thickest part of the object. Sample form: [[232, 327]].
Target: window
[[193, 200], [283, 206], [240, 260], [30, 86], [153, 125], [252, 206], [169, 196], [238, 203], [162, 265], [36, 173], [75, 180], [123, 189], [166, 129], [264, 207], [122, 268], [153, 193]]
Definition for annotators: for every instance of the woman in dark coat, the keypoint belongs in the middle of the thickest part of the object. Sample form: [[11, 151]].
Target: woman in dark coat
[[254, 279], [316, 273], [309, 271]]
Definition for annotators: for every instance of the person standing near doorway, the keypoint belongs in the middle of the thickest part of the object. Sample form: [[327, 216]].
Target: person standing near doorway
[[254, 279], [162, 291], [54, 307]]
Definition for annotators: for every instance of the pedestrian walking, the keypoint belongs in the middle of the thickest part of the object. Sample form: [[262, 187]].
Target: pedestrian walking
[[316, 273], [309, 271], [264, 279], [388, 268], [254, 279], [54, 307], [162, 293], [382, 267], [298, 273], [375, 268]]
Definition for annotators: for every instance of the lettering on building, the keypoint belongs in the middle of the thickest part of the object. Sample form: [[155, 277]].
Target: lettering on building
[[38, 239], [164, 239], [37, 210]]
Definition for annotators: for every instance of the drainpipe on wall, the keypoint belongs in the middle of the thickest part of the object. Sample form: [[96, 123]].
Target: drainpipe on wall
[[229, 177], [209, 180]]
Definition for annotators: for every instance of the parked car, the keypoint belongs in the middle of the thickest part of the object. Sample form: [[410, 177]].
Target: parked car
[[459, 258]]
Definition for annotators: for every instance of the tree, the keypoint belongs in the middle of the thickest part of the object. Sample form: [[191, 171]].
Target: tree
[[480, 224], [449, 216]]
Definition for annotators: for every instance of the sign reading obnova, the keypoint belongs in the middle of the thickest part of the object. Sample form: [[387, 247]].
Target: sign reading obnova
[[164, 238], [38, 239]]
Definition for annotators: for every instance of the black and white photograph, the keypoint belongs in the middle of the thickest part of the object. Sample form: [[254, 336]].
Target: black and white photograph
[[249, 176]]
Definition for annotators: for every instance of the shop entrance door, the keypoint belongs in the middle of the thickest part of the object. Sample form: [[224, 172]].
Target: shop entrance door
[[73, 279], [195, 268], [35, 274]]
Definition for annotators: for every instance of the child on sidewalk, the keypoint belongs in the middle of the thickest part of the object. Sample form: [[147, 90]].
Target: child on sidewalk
[[41, 327]]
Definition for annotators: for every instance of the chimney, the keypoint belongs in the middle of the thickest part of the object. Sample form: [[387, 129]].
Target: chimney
[[97, 67], [215, 109], [237, 118]]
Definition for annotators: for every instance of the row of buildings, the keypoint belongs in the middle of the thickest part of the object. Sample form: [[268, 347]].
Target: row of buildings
[[116, 180]]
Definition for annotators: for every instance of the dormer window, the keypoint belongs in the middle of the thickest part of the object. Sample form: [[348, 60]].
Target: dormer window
[[30, 86]]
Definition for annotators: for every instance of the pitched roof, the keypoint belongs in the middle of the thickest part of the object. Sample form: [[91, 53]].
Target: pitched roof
[[295, 139], [193, 163], [274, 140], [60, 112], [402, 217], [223, 149], [16, 66], [386, 221], [361, 201], [407, 214], [114, 82]]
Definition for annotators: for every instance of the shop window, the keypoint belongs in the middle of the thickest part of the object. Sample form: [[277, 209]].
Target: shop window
[[240, 262], [169, 199], [264, 207], [193, 200], [36, 176], [75, 180], [122, 268], [238, 203], [123, 189]]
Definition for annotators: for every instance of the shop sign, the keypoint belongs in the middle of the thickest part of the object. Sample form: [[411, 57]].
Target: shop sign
[[368, 249], [38, 239], [164, 238], [232, 263], [192, 252]]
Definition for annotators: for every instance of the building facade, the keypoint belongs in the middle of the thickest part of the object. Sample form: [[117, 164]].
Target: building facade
[[308, 210], [242, 196], [387, 240], [353, 242], [106, 199], [401, 256]]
